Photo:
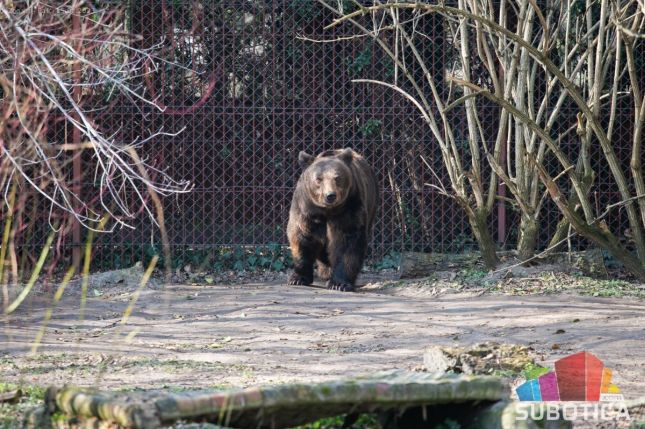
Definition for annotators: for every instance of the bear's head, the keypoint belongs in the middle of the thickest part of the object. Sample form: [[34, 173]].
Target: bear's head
[[327, 178]]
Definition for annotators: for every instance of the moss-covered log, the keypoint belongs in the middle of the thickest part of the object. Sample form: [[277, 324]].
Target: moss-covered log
[[274, 406], [399, 397]]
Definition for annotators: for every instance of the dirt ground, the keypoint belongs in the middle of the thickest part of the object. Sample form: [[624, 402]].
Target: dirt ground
[[204, 336]]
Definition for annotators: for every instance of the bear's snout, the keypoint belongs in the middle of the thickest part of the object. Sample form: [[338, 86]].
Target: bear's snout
[[330, 197]]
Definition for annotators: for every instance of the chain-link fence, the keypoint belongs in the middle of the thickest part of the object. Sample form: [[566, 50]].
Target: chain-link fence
[[248, 85]]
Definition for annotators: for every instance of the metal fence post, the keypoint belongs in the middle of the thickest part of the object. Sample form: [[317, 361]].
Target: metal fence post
[[76, 138]]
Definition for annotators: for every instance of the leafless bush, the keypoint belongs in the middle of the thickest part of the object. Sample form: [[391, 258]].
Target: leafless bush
[[578, 57], [64, 64], [398, 37]]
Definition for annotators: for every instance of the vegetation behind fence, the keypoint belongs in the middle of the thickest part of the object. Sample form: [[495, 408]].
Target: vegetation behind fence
[[244, 86]]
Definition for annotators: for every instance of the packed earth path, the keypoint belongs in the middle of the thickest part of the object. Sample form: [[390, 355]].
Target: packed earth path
[[214, 336]]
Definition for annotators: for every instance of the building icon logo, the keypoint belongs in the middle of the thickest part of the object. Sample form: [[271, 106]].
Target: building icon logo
[[579, 377]]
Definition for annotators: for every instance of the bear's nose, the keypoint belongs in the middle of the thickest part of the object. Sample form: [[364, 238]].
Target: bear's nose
[[330, 197]]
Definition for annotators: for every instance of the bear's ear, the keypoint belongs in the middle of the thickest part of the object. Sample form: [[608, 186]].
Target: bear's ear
[[304, 159], [346, 155]]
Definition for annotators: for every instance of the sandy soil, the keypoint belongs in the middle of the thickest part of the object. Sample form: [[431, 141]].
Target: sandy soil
[[197, 336]]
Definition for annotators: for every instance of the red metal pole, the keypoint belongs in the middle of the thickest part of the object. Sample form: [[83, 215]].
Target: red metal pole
[[76, 137], [501, 187], [501, 203]]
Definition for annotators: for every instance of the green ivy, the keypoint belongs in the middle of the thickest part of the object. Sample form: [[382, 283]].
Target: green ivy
[[448, 424], [533, 371], [371, 128], [306, 9], [365, 421], [272, 256], [391, 260], [363, 59]]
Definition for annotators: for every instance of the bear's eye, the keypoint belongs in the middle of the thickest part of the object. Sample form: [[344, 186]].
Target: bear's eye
[[318, 179]]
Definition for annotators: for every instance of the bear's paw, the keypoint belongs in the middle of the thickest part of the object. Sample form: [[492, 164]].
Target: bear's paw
[[298, 280], [340, 286]]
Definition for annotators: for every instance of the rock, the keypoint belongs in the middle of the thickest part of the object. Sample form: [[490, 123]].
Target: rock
[[485, 358], [436, 359], [416, 264], [127, 277], [11, 397]]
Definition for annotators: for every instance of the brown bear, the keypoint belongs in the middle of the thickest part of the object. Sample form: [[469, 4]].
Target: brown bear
[[331, 217]]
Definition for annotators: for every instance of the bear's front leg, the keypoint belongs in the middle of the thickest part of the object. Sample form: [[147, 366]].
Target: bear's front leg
[[303, 251], [347, 248]]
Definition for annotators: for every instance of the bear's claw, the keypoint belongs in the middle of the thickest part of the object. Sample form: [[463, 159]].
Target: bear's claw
[[296, 280], [340, 286]]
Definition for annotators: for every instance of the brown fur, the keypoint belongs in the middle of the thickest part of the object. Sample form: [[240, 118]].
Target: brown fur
[[333, 234]]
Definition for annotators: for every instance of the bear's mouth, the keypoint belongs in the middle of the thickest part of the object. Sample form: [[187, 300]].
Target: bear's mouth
[[328, 205]]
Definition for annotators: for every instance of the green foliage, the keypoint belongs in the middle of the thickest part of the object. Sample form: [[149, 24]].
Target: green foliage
[[463, 242], [225, 153], [409, 217], [410, 223], [11, 413], [365, 421], [609, 288], [349, 6], [371, 128], [391, 260], [120, 257], [577, 8], [388, 67], [473, 273], [363, 59], [33, 392], [463, 145], [504, 373], [533, 371], [273, 257], [59, 416], [306, 9], [610, 261], [448, 424], [234, 19]]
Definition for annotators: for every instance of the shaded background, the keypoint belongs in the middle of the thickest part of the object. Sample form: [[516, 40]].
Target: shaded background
[[250, 94]]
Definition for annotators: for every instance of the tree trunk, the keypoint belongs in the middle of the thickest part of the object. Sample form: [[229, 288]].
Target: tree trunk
[[562, 229], [599, 234], [560, 234], [611, 243], [487, 247], [527, 237]]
